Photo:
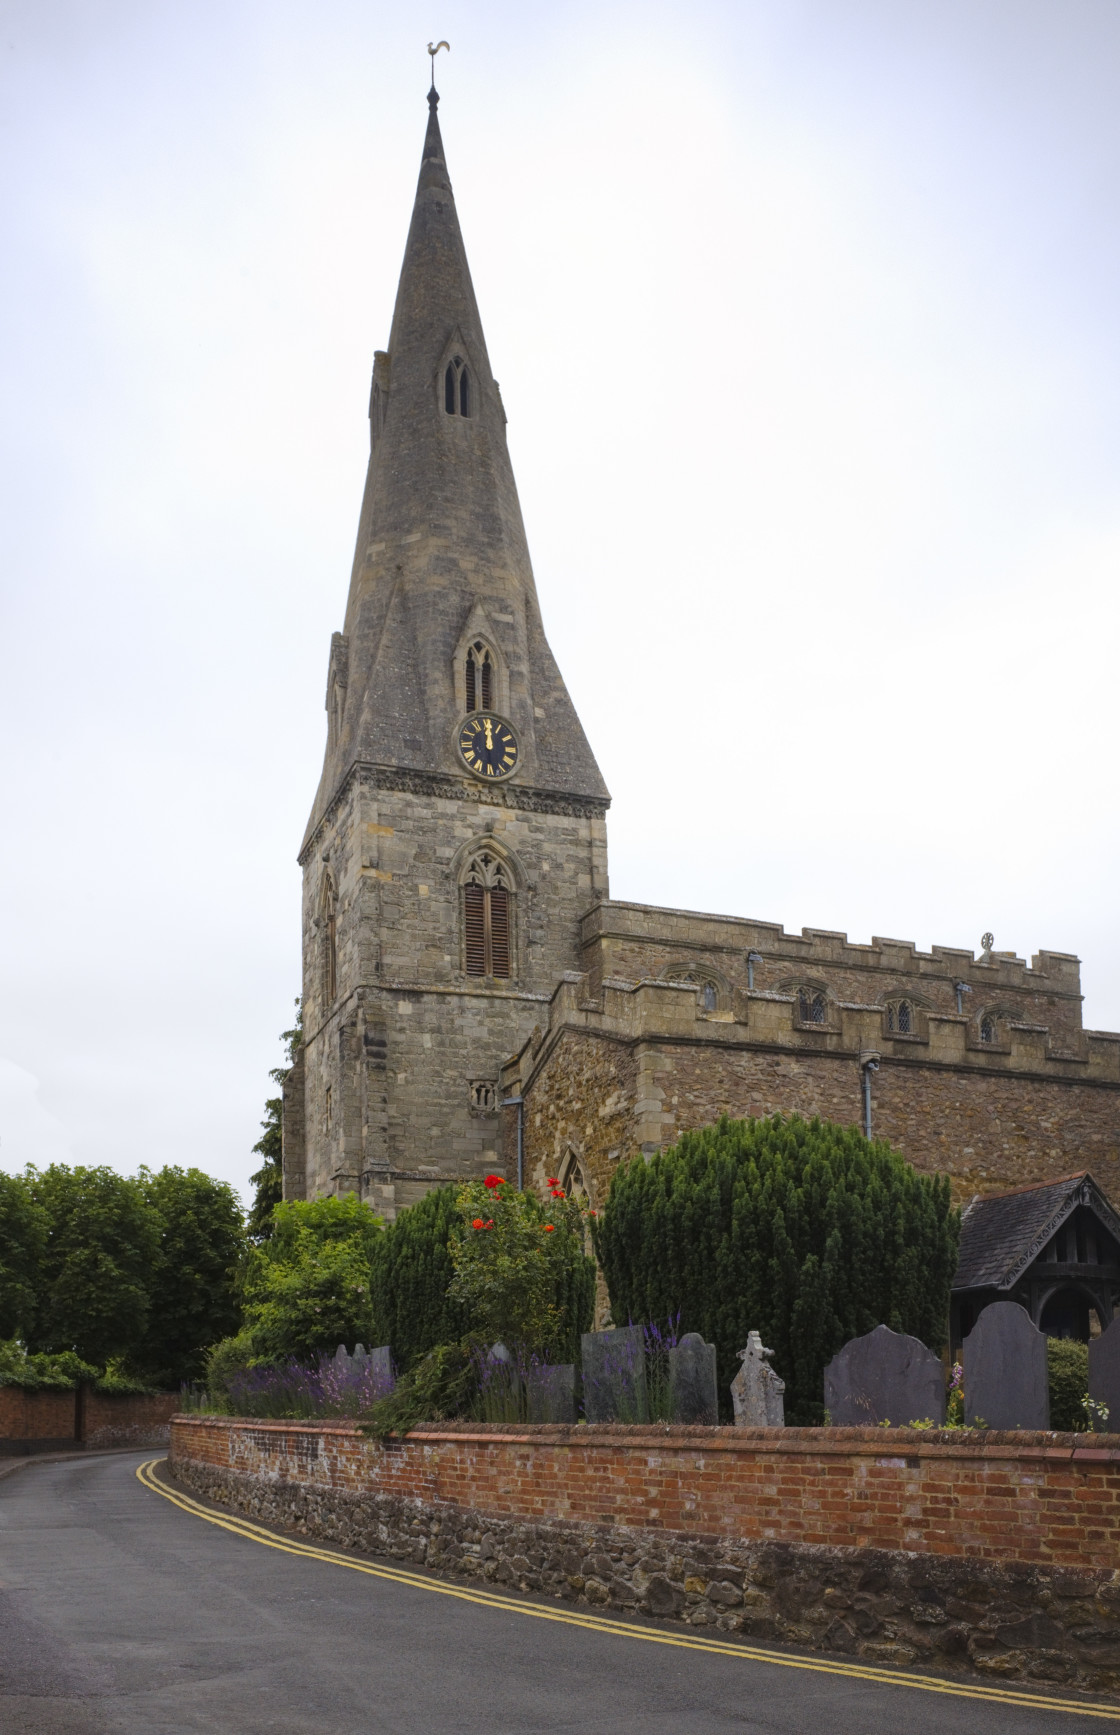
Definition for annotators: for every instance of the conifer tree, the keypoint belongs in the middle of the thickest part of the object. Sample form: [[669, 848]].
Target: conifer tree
[[800, 1230]]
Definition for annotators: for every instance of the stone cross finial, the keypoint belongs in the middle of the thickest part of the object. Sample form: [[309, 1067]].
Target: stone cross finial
[[987, 941]]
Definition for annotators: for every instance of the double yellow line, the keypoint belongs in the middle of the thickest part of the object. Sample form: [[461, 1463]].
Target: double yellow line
[[617, 1629]]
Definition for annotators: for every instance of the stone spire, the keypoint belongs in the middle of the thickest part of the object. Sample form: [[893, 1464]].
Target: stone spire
[[441, 552]]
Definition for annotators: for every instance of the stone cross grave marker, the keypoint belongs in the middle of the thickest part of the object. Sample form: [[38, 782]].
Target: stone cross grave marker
[[614, 1375], [1006, 1383], [756, 1390], [692, 1381], [1104, 1377], [551, 1393], [884, 1376]]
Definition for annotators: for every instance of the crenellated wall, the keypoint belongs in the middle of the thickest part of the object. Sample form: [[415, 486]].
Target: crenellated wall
[[628, 1057]]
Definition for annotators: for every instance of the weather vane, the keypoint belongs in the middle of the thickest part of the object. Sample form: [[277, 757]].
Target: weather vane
[[433, 52]]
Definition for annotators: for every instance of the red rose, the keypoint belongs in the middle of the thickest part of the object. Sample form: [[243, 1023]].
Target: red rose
[[551, 1181], [478, 1223], [548, 1228], [495, 1181]]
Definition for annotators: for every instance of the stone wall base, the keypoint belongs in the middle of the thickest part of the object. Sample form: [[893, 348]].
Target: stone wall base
[[943, 1612]]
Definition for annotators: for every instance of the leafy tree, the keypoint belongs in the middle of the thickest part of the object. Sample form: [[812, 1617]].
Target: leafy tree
[[412, 1274], [23, 1237], [801, 1230], [307, 1288], [269, 1178], [192, 1295], [520, 1270], [102, 1243]]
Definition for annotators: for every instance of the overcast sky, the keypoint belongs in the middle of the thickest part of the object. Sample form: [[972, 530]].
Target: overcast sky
[[805, 317]]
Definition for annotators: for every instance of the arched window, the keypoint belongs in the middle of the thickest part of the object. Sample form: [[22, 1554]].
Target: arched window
[[572, 1178], [900, 1018], [329, 903], [987, 1028], [480, 678], [811, 1008], [708, 997], [457, 388], [487, 917]]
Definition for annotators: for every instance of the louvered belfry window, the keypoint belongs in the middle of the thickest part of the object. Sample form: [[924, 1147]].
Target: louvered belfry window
[[480, 678], [487, 916]]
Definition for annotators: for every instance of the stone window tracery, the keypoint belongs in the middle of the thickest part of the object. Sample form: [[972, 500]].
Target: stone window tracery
[[900, 1018], [708, 998], [812, 1008], [457, 388], [987, 1028], [480, 677], [487, 916], [329, 918]]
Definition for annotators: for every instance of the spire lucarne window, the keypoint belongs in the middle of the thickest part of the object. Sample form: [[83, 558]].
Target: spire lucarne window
[[457, 388], [330, 939], [480, 678], [487, 917]]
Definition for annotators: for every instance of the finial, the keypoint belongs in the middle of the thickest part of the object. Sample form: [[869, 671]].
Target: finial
[[987, 941], [433, 94]]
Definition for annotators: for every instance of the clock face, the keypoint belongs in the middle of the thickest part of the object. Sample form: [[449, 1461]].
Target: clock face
[[488, 745]]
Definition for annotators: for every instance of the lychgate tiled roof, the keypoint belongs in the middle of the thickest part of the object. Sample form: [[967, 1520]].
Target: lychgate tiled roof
[[1002, 1234]]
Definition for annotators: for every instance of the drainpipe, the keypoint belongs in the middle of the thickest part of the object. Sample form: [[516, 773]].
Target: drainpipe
[[961, 989], [868, 1063], [753, 958], [518, 1102]]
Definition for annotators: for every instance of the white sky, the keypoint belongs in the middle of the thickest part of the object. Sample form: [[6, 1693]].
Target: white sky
[[805, 316]]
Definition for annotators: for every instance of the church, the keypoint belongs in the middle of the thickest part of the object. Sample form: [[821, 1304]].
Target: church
[[473, 999]]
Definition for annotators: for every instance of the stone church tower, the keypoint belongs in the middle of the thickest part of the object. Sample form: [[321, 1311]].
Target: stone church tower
[[458, 833]]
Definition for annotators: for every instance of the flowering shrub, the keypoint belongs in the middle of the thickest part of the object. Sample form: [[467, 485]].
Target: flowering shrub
[[521, 1273], [293, 1388]]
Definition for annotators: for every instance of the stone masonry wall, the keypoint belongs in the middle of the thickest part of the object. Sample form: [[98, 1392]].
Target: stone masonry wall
[[986, 1132], [409, 1031], [999, 1553]]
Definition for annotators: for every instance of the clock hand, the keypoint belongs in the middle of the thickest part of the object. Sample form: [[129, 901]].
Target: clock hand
[[489, 737]]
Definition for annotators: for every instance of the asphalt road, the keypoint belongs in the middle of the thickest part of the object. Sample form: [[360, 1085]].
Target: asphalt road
[[121, 1612]]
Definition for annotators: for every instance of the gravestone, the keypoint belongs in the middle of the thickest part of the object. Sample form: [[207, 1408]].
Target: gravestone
[[1006, 1383], [380, 1361], [692, 1381], [884, 1376], [614, 1375], [551, 1393], [756, 1390], [1104, 1378]]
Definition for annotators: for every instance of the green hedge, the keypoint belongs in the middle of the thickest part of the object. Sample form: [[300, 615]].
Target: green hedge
[[800, 1230], [410, 1278]]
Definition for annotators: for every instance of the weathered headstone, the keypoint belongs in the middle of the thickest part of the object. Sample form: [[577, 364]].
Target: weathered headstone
[[1104, 1378], [756, 1390], [884, 1376], [380, 1364], [551, 1393], [614, 1375], [1006, 1383], [692, 1381]]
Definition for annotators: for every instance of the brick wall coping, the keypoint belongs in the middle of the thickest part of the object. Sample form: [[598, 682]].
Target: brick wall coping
[[937, 1443]]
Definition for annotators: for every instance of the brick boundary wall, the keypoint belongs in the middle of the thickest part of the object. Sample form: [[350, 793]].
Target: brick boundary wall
[[998, 1553], [46, 1421]]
